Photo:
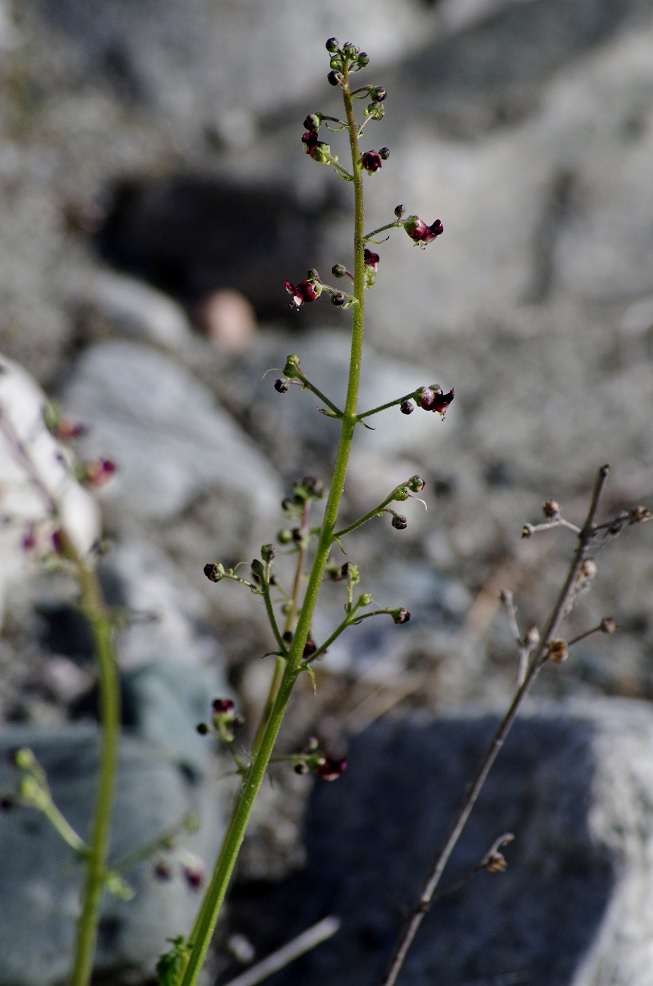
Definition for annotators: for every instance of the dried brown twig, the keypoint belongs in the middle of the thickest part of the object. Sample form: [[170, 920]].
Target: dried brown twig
[[538, 653]]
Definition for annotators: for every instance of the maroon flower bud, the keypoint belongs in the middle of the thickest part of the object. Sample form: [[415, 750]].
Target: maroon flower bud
[[334, 78], [303, 293], [377, 94], [281, 386], [433, 399], [65, 429], [317, 149], [28, 541], [313, 121], [212, 572], [399, 522], [97, 473], [202, 728], [330, 769], [400, 211], [332, 45], [309, 648], [339, 270], [301, 768], [371, 161], [362, 60], [162, 870], [384, 153], [400, 615], [222, 706], [418, 230], [371, 259], [350, 50], [193, 873], [407, 407]]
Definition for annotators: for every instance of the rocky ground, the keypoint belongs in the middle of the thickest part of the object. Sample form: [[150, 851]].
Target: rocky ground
[[156, 198]]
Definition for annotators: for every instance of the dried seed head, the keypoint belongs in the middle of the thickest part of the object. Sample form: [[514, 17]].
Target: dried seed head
[[495, 862], [532, 637], [607, 625], [558, 651], [527, 531], [551, 509], [640, 514], [588, 569]]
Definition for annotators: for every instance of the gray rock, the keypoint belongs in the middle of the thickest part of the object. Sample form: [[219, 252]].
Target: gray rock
[[41, 878], [573, 784], [137, 311], [169, 438]]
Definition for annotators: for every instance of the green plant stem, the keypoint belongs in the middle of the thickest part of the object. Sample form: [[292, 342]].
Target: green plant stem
[[376, 512], [96, 860], [210, 908], [306, 383], [384, 407]]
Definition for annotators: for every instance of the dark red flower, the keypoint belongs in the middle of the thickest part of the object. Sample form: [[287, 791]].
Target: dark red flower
[[418, 230], [433, 399], [371, 161], [303, 293], [97, 472], [330, 768], [371, 259], [319, 150]]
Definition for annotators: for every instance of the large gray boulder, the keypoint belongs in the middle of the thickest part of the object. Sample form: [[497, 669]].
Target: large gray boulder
[[575, 786]]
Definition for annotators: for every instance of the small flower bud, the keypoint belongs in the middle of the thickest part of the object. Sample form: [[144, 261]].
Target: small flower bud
[[532, 636], [332, 45], [527, 531], [193, 872], [551, 509], [588, 569], [312, 121], [375, 111], [162, 871], [202, 728], [495, 862], [607, 625], [284, 536], [639, 515], [330, 769], [384, 153], [22, 758], [406, 407], [257, 570], [281, 386], [365, 599], [400, 615], [268, 551], [371, 259], [98, 472], [335, 78], [339, 270], [309, 648], [362, 60], [416, 484], [558, 651], [301, 768], [223, 707], [292, 366], [400, 211], [350, 50], [377, 94], [297, 535], [339, 299], [399, 523]]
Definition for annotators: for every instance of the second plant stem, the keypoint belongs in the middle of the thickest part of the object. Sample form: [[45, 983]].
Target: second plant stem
[[210, 908]]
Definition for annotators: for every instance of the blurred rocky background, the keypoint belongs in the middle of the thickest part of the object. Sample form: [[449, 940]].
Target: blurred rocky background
[[155, 198]]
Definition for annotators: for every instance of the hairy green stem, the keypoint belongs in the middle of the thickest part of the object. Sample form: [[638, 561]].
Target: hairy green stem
[[96, 861], [210, 908]]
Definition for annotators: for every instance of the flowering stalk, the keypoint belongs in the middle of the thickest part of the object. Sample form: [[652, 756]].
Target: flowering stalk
[[208, 914], [296, 648], [100, 622]]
